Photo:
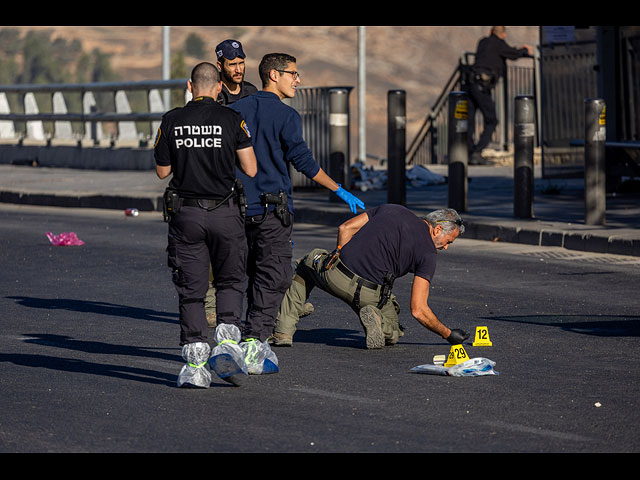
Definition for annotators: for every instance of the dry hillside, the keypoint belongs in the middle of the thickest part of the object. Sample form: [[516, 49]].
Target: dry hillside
[[417, 59]]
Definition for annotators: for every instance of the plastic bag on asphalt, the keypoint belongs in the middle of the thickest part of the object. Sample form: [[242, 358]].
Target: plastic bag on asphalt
[[475, 367], [227, 358], [420, 176], [259, 357], [64, 239], [194, 373]]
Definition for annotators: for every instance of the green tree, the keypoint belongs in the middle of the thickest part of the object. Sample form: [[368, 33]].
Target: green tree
[[194, 46], [38, 66], [10, 42], [178, 70], [102, 70]]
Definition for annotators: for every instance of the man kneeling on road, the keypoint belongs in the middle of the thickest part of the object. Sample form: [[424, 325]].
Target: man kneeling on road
[[373, 249]]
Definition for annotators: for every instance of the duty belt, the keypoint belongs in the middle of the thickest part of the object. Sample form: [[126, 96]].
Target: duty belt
[[205, 203], [361, 281], [385, 290]]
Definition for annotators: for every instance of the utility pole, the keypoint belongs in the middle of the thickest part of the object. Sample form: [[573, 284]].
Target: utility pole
[[362, 90], [166, 65]]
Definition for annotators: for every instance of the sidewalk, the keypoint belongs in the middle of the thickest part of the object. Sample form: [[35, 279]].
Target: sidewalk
[[558, 217]]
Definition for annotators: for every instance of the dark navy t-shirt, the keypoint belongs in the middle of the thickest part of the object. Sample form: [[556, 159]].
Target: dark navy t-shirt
[[393, 240]]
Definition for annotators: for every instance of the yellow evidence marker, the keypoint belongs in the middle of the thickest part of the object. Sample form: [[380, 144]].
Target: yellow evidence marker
[[482, 337], [456, 355]]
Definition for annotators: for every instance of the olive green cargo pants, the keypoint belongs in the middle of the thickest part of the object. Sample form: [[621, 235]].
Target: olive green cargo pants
[[310, 273]]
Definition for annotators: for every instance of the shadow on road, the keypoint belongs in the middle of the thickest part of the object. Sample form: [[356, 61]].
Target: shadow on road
[[73, 365], [102, 308], [598, 325]]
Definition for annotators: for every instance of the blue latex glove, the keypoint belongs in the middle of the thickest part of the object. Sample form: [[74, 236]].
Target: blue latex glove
[[350, 199]]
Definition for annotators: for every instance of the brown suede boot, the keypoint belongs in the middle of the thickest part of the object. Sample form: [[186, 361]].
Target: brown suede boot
[[281, 340]]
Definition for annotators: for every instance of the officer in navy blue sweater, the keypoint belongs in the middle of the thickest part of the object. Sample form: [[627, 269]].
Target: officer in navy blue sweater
[[276, 133]]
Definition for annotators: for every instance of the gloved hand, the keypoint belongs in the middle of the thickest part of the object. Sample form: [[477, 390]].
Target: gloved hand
[[457, 336], [350, 199]]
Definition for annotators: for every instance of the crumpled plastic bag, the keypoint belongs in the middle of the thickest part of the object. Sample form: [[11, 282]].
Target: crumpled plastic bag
[[420, 176], [369, 178], [227, 358], [474, 367], [259, 357], [64, 239], [194, 373]]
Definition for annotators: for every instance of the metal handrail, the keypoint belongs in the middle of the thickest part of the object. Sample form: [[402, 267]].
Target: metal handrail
[[82, 117], [93, 87], [83, 88], [437, 108]]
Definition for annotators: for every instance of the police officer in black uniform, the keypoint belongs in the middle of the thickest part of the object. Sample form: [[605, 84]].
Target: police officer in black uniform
[[201, 144], [489, 66], [231, 63]]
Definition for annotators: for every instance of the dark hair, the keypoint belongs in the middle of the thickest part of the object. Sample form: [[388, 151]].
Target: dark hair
[[273, 61], [205, 75]]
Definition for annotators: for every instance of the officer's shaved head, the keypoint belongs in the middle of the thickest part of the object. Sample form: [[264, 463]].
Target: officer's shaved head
[[205, 80], [205, 75]]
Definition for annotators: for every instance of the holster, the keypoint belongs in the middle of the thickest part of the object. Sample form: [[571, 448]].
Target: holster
[[170, 204], [385, 294], [242, 197], [484, 79], [281, 206]]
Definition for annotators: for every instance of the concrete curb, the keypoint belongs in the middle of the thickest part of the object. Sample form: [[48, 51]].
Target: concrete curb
[[150, 204], [584, 241]]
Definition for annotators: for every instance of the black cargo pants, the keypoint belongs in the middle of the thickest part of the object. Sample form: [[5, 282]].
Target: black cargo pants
[[269, 272], [480, 98], [199, 238]]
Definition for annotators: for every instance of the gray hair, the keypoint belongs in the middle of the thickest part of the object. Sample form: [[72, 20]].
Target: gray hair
[[448, 218]]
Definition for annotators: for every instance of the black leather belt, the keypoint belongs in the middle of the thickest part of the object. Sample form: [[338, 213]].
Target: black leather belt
[[365, 283], [204, 202]]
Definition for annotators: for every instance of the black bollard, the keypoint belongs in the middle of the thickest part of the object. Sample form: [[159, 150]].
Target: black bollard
[[594, 162], [523, 135], [338, 139], [396, 146], [458, 150]]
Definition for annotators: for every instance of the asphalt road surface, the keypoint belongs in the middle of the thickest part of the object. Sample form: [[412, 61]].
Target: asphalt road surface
[[89, 353]]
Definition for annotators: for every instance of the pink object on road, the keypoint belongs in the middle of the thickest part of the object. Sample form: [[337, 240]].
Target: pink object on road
[[64, 239]]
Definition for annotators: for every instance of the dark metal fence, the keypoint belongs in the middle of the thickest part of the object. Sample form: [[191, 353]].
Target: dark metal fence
[[600, 62], [313, 105]]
